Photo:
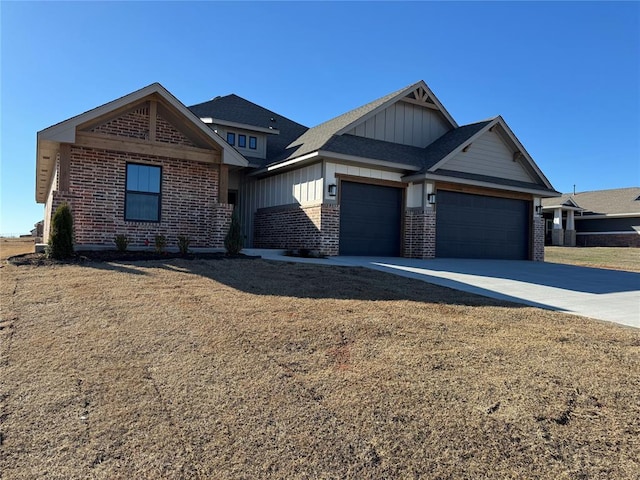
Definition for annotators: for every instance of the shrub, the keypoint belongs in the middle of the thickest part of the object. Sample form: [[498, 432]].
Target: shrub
[[233, 240], [183, 244], [61, 238], [122, 242], [160, 243]]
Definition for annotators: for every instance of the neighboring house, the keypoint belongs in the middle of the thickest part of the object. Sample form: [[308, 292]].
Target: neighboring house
[[602, 218], [395, 177]]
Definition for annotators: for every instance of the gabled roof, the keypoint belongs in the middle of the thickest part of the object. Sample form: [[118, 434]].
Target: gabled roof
[[49, 139], [453, 142], [618, 201], [233, 108], [315, 138]]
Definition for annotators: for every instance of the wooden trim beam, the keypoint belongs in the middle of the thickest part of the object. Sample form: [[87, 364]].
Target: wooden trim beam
[[65, 165], [153, 120], [472, 189], [372, 181], [223, 183], [420, 103], [144, 147]]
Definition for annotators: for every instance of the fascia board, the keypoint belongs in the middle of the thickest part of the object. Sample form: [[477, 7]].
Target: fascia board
[[479, 183], [242, 126]]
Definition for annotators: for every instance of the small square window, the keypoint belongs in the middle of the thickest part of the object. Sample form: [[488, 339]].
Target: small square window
[[242, 141], [231, 138], [253, 143]]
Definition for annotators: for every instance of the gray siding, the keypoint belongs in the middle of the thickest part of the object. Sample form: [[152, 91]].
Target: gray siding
[[620, 224], [488, 155], [404, 123]]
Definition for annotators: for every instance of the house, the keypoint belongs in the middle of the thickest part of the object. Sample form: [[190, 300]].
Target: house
[[395, 177], [601, 218]]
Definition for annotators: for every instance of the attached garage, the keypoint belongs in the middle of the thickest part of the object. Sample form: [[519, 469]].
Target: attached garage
[[479, 226], [370, 219]]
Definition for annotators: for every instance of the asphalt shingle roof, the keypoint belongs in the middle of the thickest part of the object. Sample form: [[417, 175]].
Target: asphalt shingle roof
[[448, 142], [315, 138], [607, 202], [233, 108]]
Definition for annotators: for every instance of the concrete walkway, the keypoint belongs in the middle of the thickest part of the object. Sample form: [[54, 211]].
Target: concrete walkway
[[592, 292]]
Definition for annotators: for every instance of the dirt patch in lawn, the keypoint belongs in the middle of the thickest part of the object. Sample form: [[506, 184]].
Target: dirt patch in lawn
[[236, 369]]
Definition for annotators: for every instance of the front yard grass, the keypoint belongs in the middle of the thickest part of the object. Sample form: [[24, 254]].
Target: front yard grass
[[252, 369], [616, 258]]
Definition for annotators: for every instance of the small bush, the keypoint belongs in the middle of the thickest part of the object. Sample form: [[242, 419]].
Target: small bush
[[233, 241], [183, 244], [61, 238], [122, 242], [160, 243]]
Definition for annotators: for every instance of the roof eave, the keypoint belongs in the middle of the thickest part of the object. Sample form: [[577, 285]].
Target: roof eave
[[542, 192]]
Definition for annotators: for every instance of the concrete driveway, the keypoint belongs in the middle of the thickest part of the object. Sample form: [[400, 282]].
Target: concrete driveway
[[592, 292]]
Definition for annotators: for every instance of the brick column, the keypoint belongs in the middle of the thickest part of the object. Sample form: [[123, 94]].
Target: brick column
[[419, 236], [330, 229], [538, 239]]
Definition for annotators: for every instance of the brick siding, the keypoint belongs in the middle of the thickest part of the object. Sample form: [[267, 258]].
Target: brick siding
[[419, 236], [314, 227], [135, 124], [609, 240], [538, 240], [97, 198]]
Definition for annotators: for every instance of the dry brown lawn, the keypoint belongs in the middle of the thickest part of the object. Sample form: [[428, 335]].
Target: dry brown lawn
[[252, 369], [15, 246], [615, 258]]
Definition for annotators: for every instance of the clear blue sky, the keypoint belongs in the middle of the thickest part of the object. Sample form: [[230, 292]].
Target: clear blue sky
[[565, 76]]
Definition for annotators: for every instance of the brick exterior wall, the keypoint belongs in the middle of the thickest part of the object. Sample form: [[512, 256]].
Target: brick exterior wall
[[134, 124], [538, 239], [167, 133], [419, 235], [314, 227], [189, 205], [610, 240], [221, 221]]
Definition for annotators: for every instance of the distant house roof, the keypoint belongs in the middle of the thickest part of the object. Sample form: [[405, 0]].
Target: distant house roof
[[233, 108], [618, 201]]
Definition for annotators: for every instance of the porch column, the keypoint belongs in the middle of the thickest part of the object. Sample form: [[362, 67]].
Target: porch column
[[557, 234], [570, 232]]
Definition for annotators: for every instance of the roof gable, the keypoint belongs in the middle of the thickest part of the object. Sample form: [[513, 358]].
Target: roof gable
[[170, 109], [314, 138], [492, 134]]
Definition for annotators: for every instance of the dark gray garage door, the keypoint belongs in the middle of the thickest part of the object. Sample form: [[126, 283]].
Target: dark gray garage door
[[369, 219], [476, 226]]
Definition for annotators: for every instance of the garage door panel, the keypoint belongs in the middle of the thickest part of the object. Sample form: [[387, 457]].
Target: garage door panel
[[477, 226], [370, 218]]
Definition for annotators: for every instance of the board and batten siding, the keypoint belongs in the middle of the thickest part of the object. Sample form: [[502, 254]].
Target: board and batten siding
[[332, 168], [404, 123], [302, 186], [488, 155]]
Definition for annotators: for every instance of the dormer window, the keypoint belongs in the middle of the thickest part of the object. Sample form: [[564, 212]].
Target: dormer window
[[253, 143], [231, 138], [242, 141]]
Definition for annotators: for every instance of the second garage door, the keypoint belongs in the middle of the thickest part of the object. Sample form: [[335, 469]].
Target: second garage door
[[370, 219], [478, 226]]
